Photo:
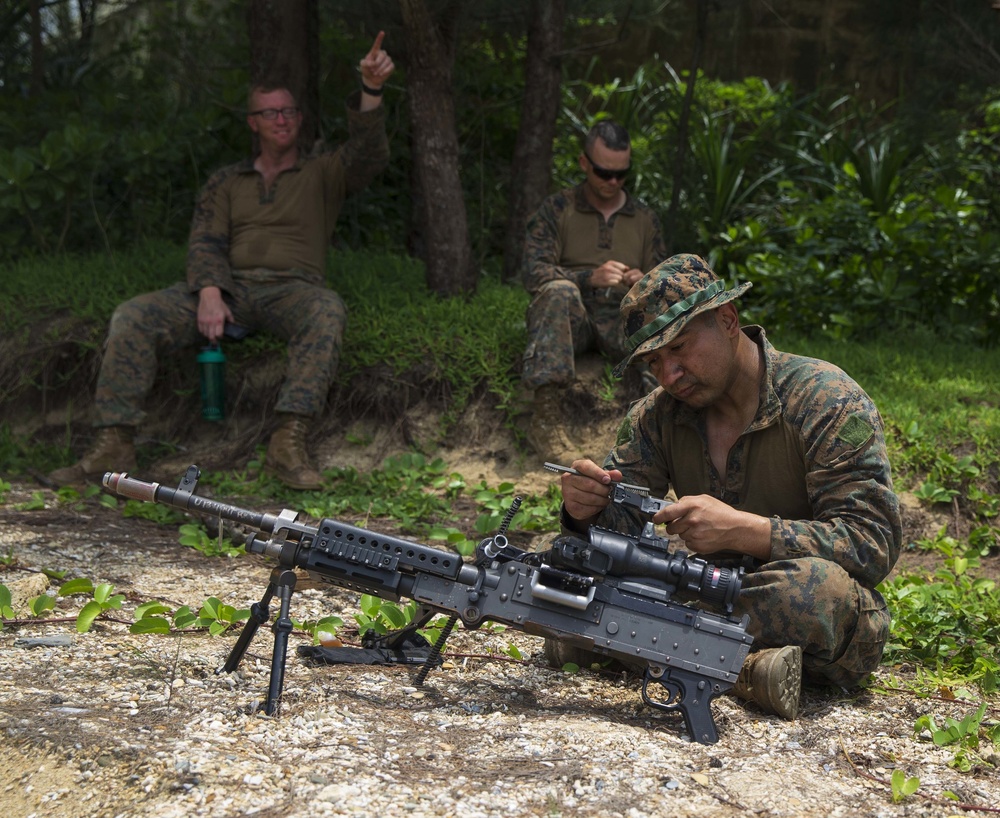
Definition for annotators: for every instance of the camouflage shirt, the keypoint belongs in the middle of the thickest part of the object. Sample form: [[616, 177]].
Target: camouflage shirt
[[568, 238], [238, 224], [813, 460]]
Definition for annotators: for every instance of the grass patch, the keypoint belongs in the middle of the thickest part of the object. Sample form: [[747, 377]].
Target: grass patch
[[86, 287], [934, 396]]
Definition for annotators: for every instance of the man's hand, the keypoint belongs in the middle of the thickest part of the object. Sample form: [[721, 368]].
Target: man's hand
[[376, 67], [586, 495], [609, 274], [708, 526], [212, 313], [632, 276]]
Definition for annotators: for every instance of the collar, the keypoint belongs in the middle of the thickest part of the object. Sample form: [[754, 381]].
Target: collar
[[581, 203], [246, 165]]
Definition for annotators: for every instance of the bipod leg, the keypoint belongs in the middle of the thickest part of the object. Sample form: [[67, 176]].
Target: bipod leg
[[435, 652], [281, 628], [260, 612], [423, 615]]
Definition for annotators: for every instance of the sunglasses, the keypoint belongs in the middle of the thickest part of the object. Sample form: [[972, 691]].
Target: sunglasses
[[604, 173]]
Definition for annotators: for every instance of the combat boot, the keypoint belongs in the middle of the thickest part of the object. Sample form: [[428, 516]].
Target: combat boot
[[772, 679], [286, 456], [547, 433], [113, 450]]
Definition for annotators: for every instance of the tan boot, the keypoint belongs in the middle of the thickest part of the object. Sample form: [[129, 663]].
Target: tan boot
[[547, 433], [559, 653], [113, 450], [772, 679], [286, 455]]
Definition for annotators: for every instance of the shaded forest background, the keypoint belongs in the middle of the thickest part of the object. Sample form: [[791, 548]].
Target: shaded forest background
[[842, 155]]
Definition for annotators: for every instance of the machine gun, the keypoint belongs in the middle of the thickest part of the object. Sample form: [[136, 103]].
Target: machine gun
[[611, 594]]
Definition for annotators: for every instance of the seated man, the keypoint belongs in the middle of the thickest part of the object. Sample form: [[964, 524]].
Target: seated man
[[586, 246], [777, 461], [256, 260]]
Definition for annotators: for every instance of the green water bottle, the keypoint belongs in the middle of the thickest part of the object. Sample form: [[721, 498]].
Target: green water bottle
[[212, 369]]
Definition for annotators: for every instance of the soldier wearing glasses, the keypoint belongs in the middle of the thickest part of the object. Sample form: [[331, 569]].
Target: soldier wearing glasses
[[586, 247], [256, 261]]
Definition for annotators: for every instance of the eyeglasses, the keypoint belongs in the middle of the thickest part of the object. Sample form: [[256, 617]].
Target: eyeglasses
[[604, 173], [272, 113]]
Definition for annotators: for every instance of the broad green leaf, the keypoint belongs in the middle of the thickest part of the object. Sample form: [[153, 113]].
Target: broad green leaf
[[41, 604], [151, 609], [150, 624], [76, 586], [86, 617]]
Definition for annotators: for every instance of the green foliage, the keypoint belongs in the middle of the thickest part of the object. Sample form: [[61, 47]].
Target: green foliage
[[948, 623], [962, 733], [844, 225], [195, 536], [382, 615], [536, 514], [6, 611], [113, 149], [936, 398], [148, 618], [323, 631], [36, 503], [903, 786], [214, 615], [422, 341], [155, 512], [99, 283], [103, 599]]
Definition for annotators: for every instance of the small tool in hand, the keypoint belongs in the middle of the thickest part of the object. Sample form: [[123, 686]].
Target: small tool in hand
[[640, 490]]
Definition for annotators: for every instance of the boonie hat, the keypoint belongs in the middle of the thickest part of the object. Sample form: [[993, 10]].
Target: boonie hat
[[662, 302]]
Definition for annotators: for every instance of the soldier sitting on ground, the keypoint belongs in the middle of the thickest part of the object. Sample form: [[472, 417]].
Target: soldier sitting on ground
[[256, 260], [585, 247], [778, 463]]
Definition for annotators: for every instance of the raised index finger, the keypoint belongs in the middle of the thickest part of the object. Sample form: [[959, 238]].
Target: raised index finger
[[377, 45]]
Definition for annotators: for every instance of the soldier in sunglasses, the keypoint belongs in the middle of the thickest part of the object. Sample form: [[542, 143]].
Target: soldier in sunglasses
[[586, 247]]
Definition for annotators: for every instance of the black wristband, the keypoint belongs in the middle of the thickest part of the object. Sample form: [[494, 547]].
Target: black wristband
[[375, 92]]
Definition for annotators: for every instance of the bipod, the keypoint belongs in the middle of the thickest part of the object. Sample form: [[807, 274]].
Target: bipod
[[282, 583]]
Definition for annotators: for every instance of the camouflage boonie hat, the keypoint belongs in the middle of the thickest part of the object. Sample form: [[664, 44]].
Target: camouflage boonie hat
[[663, 301]]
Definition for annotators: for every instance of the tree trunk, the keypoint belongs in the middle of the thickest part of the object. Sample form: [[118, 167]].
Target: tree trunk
[[37, 50], [701, 35], [440, 204], [531, 167], [88, 17], [284, 50]]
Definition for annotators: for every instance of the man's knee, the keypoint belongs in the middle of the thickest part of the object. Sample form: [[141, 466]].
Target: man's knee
[[151, 312], [841, 626], [558, 291]]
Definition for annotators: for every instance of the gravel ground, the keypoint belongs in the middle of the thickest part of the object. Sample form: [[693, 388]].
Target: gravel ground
[[113, 724]]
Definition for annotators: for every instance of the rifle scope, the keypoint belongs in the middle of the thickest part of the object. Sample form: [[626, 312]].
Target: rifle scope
[[610, 554]]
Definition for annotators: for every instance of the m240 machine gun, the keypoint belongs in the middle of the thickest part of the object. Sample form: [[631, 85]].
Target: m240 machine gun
[[612, 594]]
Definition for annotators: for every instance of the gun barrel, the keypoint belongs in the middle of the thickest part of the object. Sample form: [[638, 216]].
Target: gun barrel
[[121, 483]]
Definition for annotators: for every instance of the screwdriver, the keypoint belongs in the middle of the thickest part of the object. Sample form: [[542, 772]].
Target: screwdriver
[[555, 467]]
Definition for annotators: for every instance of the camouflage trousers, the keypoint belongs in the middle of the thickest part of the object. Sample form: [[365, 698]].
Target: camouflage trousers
[[308, 316], [561, 325], [841, 626]]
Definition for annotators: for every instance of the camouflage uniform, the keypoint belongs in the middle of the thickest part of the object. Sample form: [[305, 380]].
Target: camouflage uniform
[[567, 240], [266, 250], [813, 460]]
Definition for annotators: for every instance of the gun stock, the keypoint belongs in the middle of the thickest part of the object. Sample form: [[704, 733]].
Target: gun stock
[[612, 595]]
